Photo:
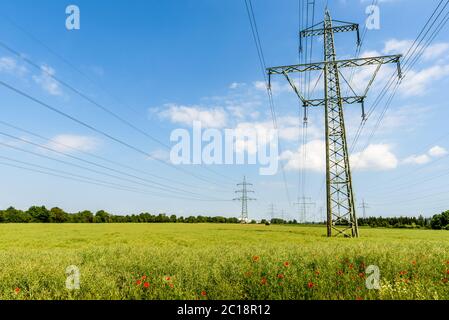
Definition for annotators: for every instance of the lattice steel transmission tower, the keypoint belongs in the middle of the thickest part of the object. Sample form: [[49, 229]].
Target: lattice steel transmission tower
[[303, 204], [341, 215], [364, 206], [244, 199]]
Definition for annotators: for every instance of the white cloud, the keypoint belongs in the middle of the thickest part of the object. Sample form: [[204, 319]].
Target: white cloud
[[160, 155], [433, 51], [209, 118], [315, 160], [10, 65], [417, 82], [374, 157], [45, 80], [68, 142], [437, 151], [414, 159], [434, 152], [236, 85]]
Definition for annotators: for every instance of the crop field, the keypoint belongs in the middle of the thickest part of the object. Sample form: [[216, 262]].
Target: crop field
[[219, 261]]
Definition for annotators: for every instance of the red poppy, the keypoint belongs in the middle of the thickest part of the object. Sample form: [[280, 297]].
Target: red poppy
[[286, 264], [144, 277], [310, 285], [263, 281], [146, 284], [138, 282], [203, 293], [414, 262], [167, 278], [362, 274], [351, 266], [171, 285], [403, 273], [280, 276], [17, 290], [447, 271], [256, 258]]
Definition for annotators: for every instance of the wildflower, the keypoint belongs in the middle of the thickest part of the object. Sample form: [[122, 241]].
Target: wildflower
[[358, 298], [17, 290], [402, 273], [280, 276], [144, 277], [167, 278], [414, 262], [310, 285], [138, 282], [340, 272], [286, 264], [317, 273], [256, 258], [263, 281], [146, 284], [171, 285], [351, 266], [447, 271], [203, 293]]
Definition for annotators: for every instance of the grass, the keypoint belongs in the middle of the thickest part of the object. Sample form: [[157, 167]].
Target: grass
[[215, 261]]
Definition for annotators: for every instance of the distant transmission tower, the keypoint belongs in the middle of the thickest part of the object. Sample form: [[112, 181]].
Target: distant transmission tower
[[341, 215], [303, 204], [271, 211], [364, 206], [244, 199]]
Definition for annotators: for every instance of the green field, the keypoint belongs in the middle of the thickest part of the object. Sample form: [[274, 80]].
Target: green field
[[219, 261]]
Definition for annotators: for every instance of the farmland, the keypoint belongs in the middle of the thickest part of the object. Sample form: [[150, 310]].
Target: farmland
[[219, 261]]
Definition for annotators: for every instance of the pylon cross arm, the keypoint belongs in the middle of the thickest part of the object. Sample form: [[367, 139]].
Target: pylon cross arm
[[348, 63]]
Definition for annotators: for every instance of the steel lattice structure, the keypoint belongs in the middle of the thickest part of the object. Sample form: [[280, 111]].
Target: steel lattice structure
[[244, 199], [341, 214]]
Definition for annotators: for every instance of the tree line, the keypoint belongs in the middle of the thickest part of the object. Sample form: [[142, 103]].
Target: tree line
[[40, 214]]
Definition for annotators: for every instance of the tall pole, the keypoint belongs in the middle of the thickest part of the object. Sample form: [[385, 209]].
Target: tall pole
[[341, 213], [244, 199], [340, 198], [364, 206]]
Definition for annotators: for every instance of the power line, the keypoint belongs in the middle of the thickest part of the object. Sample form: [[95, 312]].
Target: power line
[[65, 146], [155, 186], [93, 102], [103, 133], [255, 34]]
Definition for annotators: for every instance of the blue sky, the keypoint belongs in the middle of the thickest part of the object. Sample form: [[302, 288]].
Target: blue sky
[[162, 64]]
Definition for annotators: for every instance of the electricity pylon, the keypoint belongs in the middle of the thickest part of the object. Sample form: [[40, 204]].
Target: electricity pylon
[[303, 204], [341, 215], [364, 206], [271, 211], [244, 199]]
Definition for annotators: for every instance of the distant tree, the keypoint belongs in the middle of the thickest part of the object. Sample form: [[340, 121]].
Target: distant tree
[[58, 215], [101, 217], [39, 214]]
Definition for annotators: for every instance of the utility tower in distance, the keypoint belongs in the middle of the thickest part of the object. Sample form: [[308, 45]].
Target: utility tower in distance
[[303, 204], [271, 211], [244, 199], [364, 206], [341, 215]]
